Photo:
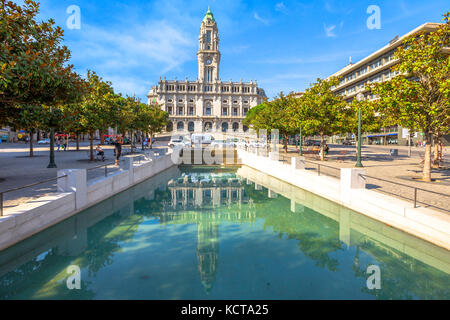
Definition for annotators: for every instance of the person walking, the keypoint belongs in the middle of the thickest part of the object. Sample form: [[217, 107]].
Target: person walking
[[117, 149], [58, 144]]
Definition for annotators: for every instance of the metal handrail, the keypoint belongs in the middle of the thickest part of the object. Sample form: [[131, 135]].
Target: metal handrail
[[23, 187], [412, 187]]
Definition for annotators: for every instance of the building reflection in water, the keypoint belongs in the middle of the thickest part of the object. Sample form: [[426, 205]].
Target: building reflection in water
[[197, 198]]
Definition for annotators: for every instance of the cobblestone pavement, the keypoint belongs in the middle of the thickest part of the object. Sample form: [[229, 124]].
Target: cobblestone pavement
[[17, 169], [378, 163]]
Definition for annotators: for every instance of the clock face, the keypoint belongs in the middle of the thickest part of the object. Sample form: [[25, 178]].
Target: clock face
[[208, 61]]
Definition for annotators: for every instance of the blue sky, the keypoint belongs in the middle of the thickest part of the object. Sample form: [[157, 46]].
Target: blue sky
[[284, 45]]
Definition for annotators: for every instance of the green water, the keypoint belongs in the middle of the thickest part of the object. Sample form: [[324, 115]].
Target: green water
[[209, 233]]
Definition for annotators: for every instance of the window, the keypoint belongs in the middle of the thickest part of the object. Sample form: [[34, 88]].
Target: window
[[181, 100], [191, 111], [180, 111], [169, 110], [377, 78], [245, 111], [225, 101], [208, 38], [376, 64], [224, 111], [224, 126], [351, 77], [235, 111], [208, 111], [362, 71]]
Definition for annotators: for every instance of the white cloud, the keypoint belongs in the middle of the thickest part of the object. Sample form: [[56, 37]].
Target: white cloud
[[329, 31], [257, 17], [280, 7], [154, 42]]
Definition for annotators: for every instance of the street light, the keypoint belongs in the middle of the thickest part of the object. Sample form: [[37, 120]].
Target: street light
[[359, 97], [52, 163], [300, 143]]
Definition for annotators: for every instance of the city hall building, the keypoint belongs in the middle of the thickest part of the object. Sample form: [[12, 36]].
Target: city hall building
[[206, 104]]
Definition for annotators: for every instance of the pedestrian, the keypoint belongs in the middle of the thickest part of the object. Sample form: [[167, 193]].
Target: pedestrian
[[117, 149], [100, 152], [326, 148], [58, 144]]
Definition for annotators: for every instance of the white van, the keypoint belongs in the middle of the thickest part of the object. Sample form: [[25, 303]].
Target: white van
[[202, 139]]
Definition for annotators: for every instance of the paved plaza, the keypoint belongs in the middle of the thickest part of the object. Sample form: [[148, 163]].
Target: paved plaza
[[17, 169], [379, 163]]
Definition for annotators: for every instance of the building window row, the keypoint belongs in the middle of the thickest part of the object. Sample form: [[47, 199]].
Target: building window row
[[388, 57]]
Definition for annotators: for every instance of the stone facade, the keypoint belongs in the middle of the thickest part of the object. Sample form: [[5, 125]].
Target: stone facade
[[207, 104]]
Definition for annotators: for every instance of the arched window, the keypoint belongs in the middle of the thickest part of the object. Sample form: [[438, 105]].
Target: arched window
[[235, 126], [224, 126], [191, 126], [245, 128], [169, 127], [208, 126], [180, 126]]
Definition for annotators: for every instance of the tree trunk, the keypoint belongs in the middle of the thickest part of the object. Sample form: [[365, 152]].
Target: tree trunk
[[436, 158], [102, 137], [426, 173], [131, 142], [91, 146], [151, 140], [285, 142], [78, 142], [67, 142], [31, 143], [322, 149]]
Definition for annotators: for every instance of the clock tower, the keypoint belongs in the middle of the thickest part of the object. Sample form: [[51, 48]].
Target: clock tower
[[208, 54]]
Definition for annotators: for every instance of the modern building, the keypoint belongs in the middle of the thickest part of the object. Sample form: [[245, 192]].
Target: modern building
[[377, 68], [207, 104]]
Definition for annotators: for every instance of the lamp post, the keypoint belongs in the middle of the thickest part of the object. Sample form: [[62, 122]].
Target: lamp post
[[300, 143], [52, 163], [359, 97]]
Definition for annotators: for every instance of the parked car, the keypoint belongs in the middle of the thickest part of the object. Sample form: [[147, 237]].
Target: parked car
[[349, 142], [203, 139], [44, 141], [315, 143], [179, 141]]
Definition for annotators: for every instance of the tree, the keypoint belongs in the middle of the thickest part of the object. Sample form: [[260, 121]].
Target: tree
[[419, 97], [157, 120], [97, 107], [34, 65], [271, 115], [29, 118], [324, 112]]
